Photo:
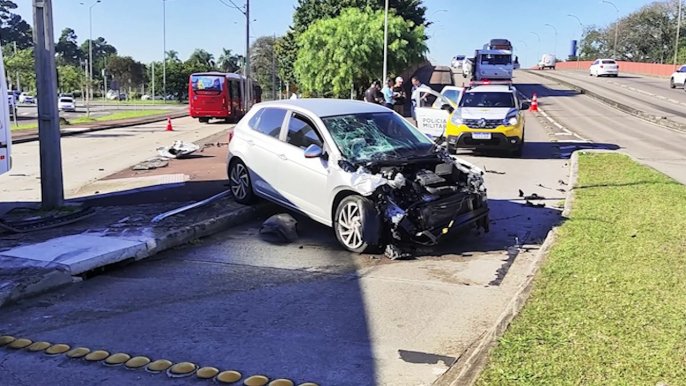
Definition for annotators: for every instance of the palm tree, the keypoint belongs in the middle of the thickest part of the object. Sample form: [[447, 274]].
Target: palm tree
[[229, 62], [202, 58], [173, 56]]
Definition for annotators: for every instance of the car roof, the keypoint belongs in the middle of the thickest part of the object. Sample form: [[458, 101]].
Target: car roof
[[491, 88], [323, 107]]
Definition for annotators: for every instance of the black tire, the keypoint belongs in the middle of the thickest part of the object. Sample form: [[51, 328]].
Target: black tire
[[358, 216], [671, 83], [240, 183], [204, 120]]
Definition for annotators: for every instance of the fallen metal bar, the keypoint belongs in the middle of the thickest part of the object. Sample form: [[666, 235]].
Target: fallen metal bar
[[198, 204]]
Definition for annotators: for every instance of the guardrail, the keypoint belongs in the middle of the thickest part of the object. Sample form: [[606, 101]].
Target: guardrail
[[653, 69]]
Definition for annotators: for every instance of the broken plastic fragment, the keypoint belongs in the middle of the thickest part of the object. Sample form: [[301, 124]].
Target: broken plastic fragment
[[395, 253], [282, 225], [394, 212], [178, 149]]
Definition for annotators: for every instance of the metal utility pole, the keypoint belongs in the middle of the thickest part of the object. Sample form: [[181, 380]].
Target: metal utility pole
[[526, 54], [153, 82], [581, 38], [164, 47], [538, 53], [676, 44], [248, 89], [274, 67], [90, 51], [52, 185], [385, 46], [18, 81]]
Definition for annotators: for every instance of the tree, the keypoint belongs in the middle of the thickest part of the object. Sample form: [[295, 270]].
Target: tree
[[263, 69], [22, 63], [14, 29], [230, 62], [127, 71], [101, 51], [201, 57], [70, 78], [173, 56], [336, 54], [67, 48], [309, 11]]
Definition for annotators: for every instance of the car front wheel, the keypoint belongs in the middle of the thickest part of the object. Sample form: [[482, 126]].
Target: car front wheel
[[671, 83], [354, 215], [240, 184]]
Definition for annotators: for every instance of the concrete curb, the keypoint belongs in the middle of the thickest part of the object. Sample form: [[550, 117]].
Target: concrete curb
[[468, 367], [619, 106], [108, 126], [55, 278]]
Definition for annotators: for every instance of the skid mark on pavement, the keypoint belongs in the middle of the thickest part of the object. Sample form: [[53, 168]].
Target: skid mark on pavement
[[124, 360]]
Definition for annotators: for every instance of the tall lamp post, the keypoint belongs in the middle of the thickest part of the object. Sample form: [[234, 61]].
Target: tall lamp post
[[164, 48], [89, 89], [555, 45], [246, 13], [581, 37], [526, 53], [385, 45], [538, 52], [616, 26], [678, 30]]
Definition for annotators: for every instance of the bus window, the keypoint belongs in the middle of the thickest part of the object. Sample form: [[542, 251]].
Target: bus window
[[207, 84]]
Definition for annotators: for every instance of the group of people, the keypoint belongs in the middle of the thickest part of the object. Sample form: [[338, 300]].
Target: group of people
[[393, 95]]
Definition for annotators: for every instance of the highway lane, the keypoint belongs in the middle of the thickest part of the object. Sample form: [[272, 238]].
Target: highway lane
[[307, 311], [662, 148], [28, 113], [652, 99]]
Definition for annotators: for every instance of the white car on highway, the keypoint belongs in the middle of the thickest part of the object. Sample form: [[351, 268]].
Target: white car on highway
[[66, 104], [678, 78], [357, 167], [604, 67], [26, 98]]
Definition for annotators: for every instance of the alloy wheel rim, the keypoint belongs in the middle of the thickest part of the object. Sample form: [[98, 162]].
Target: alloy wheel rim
[[239, 181], [350, 225]]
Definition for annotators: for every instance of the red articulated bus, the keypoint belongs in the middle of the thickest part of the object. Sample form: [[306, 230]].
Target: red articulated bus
[[218, 95]]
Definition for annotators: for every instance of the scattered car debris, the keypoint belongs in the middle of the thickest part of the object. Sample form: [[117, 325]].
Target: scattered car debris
[[214, 144], [562, 182], [534, 196], [151, 164], [493, 171], [532, 205], [282, 225], [544, 187], [395, 253], [562, 190], [521, 193], [178, 149]]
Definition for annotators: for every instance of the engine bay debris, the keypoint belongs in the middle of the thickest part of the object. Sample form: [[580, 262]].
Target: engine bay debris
[[283, 225], [178, 149]]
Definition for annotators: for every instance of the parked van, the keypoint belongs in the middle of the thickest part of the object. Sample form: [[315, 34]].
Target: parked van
[[5, 134], [547, 61]]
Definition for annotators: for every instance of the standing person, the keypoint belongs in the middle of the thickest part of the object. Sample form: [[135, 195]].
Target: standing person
[[387, 92], [400, 96], [415, 96], [373, 93]]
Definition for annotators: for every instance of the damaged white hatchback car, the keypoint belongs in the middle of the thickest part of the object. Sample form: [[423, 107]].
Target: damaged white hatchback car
[[357, 167]]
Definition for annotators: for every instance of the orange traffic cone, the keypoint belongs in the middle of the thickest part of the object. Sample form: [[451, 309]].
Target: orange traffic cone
[[534, 104], [169, 125]]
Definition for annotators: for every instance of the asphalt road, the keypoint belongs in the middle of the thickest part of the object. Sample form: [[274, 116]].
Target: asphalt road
[[649, 94], [28, 113], [657, 146], [306, 311]]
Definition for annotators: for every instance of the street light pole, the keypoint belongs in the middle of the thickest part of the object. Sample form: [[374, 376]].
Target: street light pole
[[616, 26], [526, 54], [89, 70], [538, 52], [248, 90], [52, 183], [581, 38], [678, 30], [555, 46], [385, 45], [164, 47]]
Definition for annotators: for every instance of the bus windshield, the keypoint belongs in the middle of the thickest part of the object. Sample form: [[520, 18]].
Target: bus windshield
[[207, 83], [496, 59]]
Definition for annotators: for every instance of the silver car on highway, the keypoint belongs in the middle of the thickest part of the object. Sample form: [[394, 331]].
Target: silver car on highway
[[357, 167]]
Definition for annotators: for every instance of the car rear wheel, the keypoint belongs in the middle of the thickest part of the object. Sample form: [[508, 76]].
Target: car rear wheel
[[671, 83], [240, 184], [204, 120], [353, 215]]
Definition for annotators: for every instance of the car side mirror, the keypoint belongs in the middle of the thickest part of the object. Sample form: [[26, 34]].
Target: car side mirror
[[313, 151], [525, 106]]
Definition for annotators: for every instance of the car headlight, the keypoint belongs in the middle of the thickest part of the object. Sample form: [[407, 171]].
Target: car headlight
[[510, 121], [456, 120]]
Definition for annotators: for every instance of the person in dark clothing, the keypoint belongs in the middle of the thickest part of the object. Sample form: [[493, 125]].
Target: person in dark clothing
[[400, 96], [373, 93]]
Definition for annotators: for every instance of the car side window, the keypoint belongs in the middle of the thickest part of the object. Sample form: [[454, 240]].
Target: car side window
[[268, 121], [682, 69], [302, 132]]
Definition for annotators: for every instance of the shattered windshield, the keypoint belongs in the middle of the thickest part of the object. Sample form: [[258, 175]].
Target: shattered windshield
[[376, 136]]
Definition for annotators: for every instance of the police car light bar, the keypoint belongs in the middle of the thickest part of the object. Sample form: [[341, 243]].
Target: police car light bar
[[488, 82]]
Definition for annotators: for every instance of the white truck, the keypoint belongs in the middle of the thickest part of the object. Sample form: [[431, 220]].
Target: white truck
[[493, 62], [547, 61], [5, 133]]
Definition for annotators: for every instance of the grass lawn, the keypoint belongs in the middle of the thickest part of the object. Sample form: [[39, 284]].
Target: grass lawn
[[138, 102], [609, 305], [111, 117]]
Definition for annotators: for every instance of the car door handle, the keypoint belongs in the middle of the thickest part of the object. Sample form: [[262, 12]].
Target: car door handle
[[251, 143], [283, 157]]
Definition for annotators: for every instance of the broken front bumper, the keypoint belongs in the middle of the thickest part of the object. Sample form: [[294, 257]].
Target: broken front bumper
[[432, 221], [498, 141]]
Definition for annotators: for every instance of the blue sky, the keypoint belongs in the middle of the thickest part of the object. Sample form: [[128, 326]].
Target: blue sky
[[134, 27]]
